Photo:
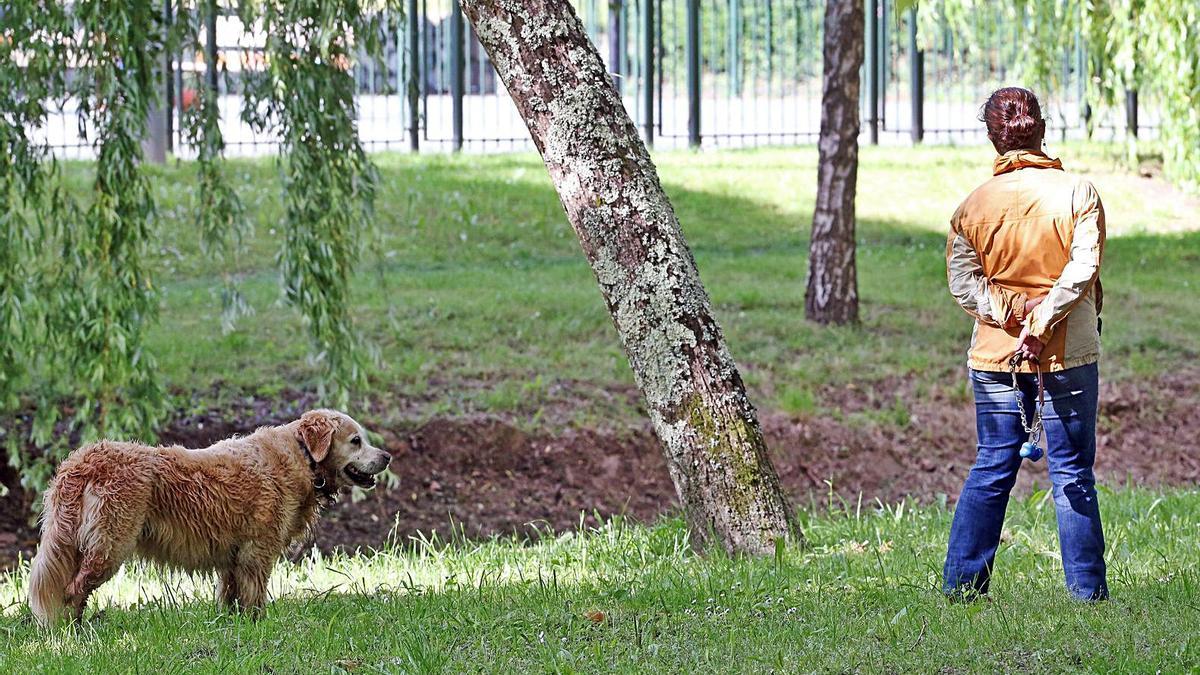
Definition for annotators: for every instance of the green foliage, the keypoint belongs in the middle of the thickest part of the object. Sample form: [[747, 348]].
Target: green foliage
[[77, 288], [1167, 45], [27, 178], [1152, 47], [622, 597], [105, 295], [220, 216], [306, 97], [81, 294]]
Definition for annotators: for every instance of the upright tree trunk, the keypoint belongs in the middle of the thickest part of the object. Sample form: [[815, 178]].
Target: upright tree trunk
[[832, 294], [631, 236]]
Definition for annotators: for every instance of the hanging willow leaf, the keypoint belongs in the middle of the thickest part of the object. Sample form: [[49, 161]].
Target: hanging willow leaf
[[305, 97], [32, 53], [220, 216]]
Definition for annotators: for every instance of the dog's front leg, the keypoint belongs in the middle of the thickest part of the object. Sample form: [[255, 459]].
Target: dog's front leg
[[249, 578], [251, 583]]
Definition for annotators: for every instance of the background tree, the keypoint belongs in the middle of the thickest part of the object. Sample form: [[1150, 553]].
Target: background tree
[[79, 316], [221, 218], [77, 294], [629, 232], [1149, 47], [831, 295]]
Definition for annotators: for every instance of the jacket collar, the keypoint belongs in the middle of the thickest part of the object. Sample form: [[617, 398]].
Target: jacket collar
[[1019, 159]]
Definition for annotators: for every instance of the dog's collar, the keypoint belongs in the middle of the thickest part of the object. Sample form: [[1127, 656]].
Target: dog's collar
[[326, 492]]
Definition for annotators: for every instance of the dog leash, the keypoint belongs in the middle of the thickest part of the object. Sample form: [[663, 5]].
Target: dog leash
[[1030, 449]]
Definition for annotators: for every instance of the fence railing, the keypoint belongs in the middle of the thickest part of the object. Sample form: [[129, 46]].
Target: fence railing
[[700, 73]]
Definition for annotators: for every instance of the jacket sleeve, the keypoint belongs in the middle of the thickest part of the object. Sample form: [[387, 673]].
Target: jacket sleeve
[[980, 298], [1082, 268]]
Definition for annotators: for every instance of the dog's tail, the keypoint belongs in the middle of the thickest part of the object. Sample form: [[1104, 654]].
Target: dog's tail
[[57, 559]]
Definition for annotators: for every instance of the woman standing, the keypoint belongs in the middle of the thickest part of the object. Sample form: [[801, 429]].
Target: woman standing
[[1023, 258]]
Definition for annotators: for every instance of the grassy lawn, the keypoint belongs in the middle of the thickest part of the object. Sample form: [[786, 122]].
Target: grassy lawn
[[478, 297], [862, 596]]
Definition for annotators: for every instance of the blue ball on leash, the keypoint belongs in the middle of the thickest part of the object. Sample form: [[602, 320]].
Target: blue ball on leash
[[1031, 451]]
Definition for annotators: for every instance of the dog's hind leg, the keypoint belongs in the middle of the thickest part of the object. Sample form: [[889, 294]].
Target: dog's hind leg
[[108, 536], [97, 568], [251, 585], [227, 589]]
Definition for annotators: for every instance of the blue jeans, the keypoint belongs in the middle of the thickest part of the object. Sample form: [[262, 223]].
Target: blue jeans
[[1070, 424]]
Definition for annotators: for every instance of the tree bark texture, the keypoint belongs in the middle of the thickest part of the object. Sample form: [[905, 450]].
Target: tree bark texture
[[832, 284], [626, 226]]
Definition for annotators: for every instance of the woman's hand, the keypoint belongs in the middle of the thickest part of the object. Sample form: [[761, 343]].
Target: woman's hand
[[1028, 346], [1030, 305]]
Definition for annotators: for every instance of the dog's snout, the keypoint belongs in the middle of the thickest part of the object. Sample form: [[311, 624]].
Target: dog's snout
[[381, 462]]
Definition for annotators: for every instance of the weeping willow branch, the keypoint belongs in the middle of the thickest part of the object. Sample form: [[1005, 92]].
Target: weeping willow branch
[[1170, 53], [74, 322], [1152, 47], [76, 294], [306, 97], [220, 216], [106, 295], [33, 207]]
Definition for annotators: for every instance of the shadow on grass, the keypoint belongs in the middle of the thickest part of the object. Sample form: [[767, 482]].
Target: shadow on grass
[[480, 276]]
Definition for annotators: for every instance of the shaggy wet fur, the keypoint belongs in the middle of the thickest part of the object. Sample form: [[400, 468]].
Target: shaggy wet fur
[[232, 508]]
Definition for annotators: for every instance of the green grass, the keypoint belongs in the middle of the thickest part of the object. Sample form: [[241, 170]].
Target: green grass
[[861, 597], [479, 298]]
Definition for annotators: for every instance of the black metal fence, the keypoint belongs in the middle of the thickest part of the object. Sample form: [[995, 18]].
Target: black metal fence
[[699, 73]]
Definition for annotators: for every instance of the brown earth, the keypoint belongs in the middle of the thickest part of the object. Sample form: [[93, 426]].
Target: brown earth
[[488, 475]]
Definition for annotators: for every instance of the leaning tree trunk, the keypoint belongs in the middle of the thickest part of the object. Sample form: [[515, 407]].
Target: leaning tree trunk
[[832, 294], [631, 236]]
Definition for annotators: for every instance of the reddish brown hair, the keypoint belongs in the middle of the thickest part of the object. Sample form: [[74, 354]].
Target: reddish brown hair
[[1014, 120]]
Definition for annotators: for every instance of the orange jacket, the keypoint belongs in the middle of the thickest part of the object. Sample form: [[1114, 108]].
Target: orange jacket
[[1032, 230]]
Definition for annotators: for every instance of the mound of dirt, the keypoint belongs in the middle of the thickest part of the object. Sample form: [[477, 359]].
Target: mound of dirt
[[488, 476]]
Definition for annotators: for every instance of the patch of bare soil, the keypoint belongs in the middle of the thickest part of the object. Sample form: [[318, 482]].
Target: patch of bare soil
[[489, 476]]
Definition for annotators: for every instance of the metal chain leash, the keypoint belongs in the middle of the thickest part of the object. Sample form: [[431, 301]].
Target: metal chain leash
[[1030, 449]]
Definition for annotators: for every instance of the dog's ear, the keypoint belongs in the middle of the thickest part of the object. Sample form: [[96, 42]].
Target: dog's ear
[[316, 430]]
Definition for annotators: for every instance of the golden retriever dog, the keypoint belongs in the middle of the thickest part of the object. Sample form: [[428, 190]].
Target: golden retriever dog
[[232, 508]]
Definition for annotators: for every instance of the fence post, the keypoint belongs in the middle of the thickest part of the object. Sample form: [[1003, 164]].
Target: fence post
[[660, 62], [648, 71], [770, 44], [616, 43], [871, 69], [916, 64], [413, 87], [883, 45], [733, 55], [693, 72], [210, 57], [169, 80], [178, 79], [154, 144], [210, 47], [1081, 66], [1131, 112], [457, 66]]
